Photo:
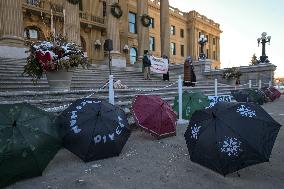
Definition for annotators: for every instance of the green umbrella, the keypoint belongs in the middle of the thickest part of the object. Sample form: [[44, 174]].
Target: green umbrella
[[191, 101], [29, 139], [249, 95]]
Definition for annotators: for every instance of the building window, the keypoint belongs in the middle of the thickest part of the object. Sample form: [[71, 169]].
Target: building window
[[152, 25], [214, 41], [132, 22], [133, 55], [173, 48], [152, 43], [182, 33], [173, 30], [214, 55], [31, 34], [182, 50]]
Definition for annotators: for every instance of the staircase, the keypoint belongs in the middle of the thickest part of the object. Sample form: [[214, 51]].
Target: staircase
[[15, 88]]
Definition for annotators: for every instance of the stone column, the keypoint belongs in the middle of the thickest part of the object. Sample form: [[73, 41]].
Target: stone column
[[165, 27], [72, 22], [124, 29], [118, 59], [143, 32], [12, 27], [218, 48]]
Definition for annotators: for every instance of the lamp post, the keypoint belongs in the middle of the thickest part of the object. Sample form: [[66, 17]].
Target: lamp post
[[263, 40], [202, 42]]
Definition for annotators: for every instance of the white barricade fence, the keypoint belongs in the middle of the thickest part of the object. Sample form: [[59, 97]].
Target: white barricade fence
[[63, 107], [159, 65], [259, 84]]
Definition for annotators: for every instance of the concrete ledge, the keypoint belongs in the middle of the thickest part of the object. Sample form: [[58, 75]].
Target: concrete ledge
[[13, 52]]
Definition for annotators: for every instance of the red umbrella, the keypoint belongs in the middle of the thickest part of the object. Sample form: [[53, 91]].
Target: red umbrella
[[154, 115]]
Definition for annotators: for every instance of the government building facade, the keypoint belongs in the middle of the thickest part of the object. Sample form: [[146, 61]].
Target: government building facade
[[132, 25]]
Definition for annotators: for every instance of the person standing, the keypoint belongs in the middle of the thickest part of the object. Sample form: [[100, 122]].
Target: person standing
[[146, 64], [166, 76], [189, 77]]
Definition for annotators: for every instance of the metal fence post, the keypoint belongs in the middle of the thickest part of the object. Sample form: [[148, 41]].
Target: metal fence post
[[250, 84], [180, 120], [216, 87], [111, 91]]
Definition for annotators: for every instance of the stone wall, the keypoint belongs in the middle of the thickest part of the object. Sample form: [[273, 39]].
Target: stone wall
[[263, 72]]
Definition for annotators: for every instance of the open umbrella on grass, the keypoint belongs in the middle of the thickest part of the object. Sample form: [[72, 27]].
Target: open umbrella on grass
[[154, 115], [231, 136], [191, 101], [94, 129], [29, 139]]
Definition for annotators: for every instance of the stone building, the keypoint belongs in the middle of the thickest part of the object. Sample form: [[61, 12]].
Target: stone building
[[89, 22]]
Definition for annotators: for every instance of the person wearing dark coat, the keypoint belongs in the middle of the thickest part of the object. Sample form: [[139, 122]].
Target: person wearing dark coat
[[166, 76], [146, 64], [189, 78]]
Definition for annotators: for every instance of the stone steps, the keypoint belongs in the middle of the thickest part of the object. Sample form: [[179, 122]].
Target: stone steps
[[16, 88]]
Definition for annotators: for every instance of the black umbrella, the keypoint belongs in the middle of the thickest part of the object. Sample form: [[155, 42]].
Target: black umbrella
[[231, 136], [94, 129]]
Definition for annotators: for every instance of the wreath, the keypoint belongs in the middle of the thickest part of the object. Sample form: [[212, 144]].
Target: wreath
[[74, 2], [116, 10], [146, 20]]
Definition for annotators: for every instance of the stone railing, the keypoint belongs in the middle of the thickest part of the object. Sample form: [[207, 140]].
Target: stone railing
[[176, 11], [172, 10], [263, 72], [34, 3], [196, 15], [91, 18], [155, 2], [43, 6]]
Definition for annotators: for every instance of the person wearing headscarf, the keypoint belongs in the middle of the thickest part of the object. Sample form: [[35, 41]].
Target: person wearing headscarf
[[166, 76], [189, 75]]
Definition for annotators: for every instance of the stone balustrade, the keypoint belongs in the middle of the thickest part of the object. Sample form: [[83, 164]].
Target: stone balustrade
[[90, 17], [196, 15]]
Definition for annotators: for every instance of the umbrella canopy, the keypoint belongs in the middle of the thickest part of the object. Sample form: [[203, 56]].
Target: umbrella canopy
[[154, 115], [271, 92], [94, 129], [248, 95], [191, 101], [29, 139], [231, 136]]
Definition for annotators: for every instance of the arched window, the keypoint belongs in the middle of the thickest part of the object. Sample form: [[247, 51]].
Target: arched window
[[33, 33], [133, 55]]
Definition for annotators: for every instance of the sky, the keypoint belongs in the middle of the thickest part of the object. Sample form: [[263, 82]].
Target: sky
[[242, 22]]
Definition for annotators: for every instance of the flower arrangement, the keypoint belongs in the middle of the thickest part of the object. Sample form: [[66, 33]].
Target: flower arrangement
[[125, 49], [231, 73], [116, 10], [146, 20], [98, 44], [52, 55]]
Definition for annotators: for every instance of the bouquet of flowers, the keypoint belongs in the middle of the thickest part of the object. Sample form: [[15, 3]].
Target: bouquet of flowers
[[231, 73], [52, 55]]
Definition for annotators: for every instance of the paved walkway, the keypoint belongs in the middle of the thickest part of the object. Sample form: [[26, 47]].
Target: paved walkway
[[147, 163]]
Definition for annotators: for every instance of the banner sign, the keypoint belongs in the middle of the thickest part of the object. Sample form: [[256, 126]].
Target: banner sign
[[222, 98], [159, 65]]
